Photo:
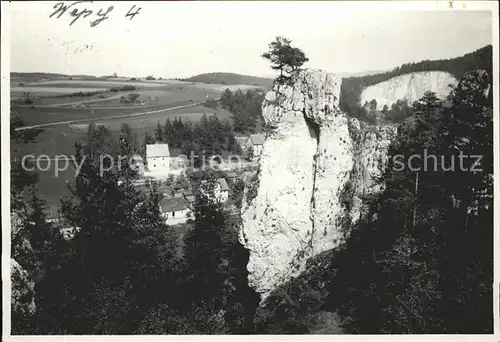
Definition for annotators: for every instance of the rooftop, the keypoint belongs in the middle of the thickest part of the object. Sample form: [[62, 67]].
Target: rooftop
[[241, 140], [231, 174], [173, 204], [257, 139], [157, 150], [223, 184], [190, 198]]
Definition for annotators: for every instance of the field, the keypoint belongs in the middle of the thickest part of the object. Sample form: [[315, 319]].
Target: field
[[17, 92], [68, 123]]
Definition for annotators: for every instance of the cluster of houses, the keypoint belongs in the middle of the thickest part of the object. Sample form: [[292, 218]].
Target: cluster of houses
[[177, 205], [178, 209]]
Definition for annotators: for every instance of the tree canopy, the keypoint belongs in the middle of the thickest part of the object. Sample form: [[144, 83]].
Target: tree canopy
[[284, 57]]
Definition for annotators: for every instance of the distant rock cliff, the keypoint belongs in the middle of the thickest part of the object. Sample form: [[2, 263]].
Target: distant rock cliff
[[410, 86], [316, 165]]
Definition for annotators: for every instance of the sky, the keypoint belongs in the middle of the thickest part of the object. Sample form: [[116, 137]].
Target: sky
[[182, 39]]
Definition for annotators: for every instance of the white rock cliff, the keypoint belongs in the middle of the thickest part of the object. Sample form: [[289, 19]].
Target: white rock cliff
[[314, 161], [410, 86]]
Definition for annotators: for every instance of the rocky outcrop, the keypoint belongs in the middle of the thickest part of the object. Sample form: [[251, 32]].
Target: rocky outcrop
[[23, 287], [313, 172], [410, 86], [23, 290]]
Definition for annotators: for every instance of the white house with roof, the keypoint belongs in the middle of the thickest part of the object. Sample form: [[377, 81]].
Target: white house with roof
[[255, 142], [220, 192], [175, 210], [158, 158], [242, 141]]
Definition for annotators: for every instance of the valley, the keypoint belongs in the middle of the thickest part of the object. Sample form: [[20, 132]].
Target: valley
[[225, 203]]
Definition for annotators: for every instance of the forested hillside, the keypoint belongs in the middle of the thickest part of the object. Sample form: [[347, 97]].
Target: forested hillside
[[352, 86], [422, 260], [230, 79]]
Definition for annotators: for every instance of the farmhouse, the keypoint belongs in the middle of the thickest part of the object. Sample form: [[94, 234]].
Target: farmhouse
[[255, 142], [175, 210], [158, 158], [241, 141], [231, 175], [220, 191], [137, 163]]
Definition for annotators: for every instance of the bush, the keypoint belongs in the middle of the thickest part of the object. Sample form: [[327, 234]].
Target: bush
[[124, 88], [127, 88], [133, 97]]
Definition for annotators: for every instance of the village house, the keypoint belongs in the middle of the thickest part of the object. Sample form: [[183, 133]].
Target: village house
[[158, 158], [175, 210], [255, 142], [231, 175], [241, 141], [137, 163], [190, 198], [220, 192]]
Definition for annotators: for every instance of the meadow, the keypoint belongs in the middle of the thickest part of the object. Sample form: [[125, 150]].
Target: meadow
[[51, 91]]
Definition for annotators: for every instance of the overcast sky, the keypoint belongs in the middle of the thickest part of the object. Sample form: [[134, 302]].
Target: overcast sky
[[181, 39]]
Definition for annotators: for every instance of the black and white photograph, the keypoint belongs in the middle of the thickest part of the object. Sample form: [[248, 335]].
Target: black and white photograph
[[250, 168]]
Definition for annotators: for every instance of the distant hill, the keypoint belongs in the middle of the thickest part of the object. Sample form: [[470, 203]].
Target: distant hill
[[29, 77], [352, 87], [230, 79], [360, 73]]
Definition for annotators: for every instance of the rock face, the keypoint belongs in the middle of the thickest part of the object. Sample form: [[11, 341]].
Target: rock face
[[410, 86], [23, 290], [23, 287], [313, 172]]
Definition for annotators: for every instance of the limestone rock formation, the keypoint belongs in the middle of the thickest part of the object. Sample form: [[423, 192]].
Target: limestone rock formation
[[23, 287], [410, 86], [23, 290], [313, 171]]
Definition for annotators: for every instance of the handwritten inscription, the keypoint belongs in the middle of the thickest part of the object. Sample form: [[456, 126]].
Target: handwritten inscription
[[97, 17]]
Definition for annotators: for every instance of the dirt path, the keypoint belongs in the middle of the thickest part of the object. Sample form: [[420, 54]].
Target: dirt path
[[107, 118]]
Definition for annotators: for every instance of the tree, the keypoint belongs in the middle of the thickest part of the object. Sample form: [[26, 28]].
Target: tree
[[168, 132], [148, 139], [385, 109], [284, 57], [159, 133], [250, 153], [204, 246], [132, 97]]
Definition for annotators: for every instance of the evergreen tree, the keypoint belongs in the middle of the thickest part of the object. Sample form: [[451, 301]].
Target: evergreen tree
[[159, 133]]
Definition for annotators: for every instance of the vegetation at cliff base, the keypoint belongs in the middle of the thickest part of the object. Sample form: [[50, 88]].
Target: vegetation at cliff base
[[421, 261]]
